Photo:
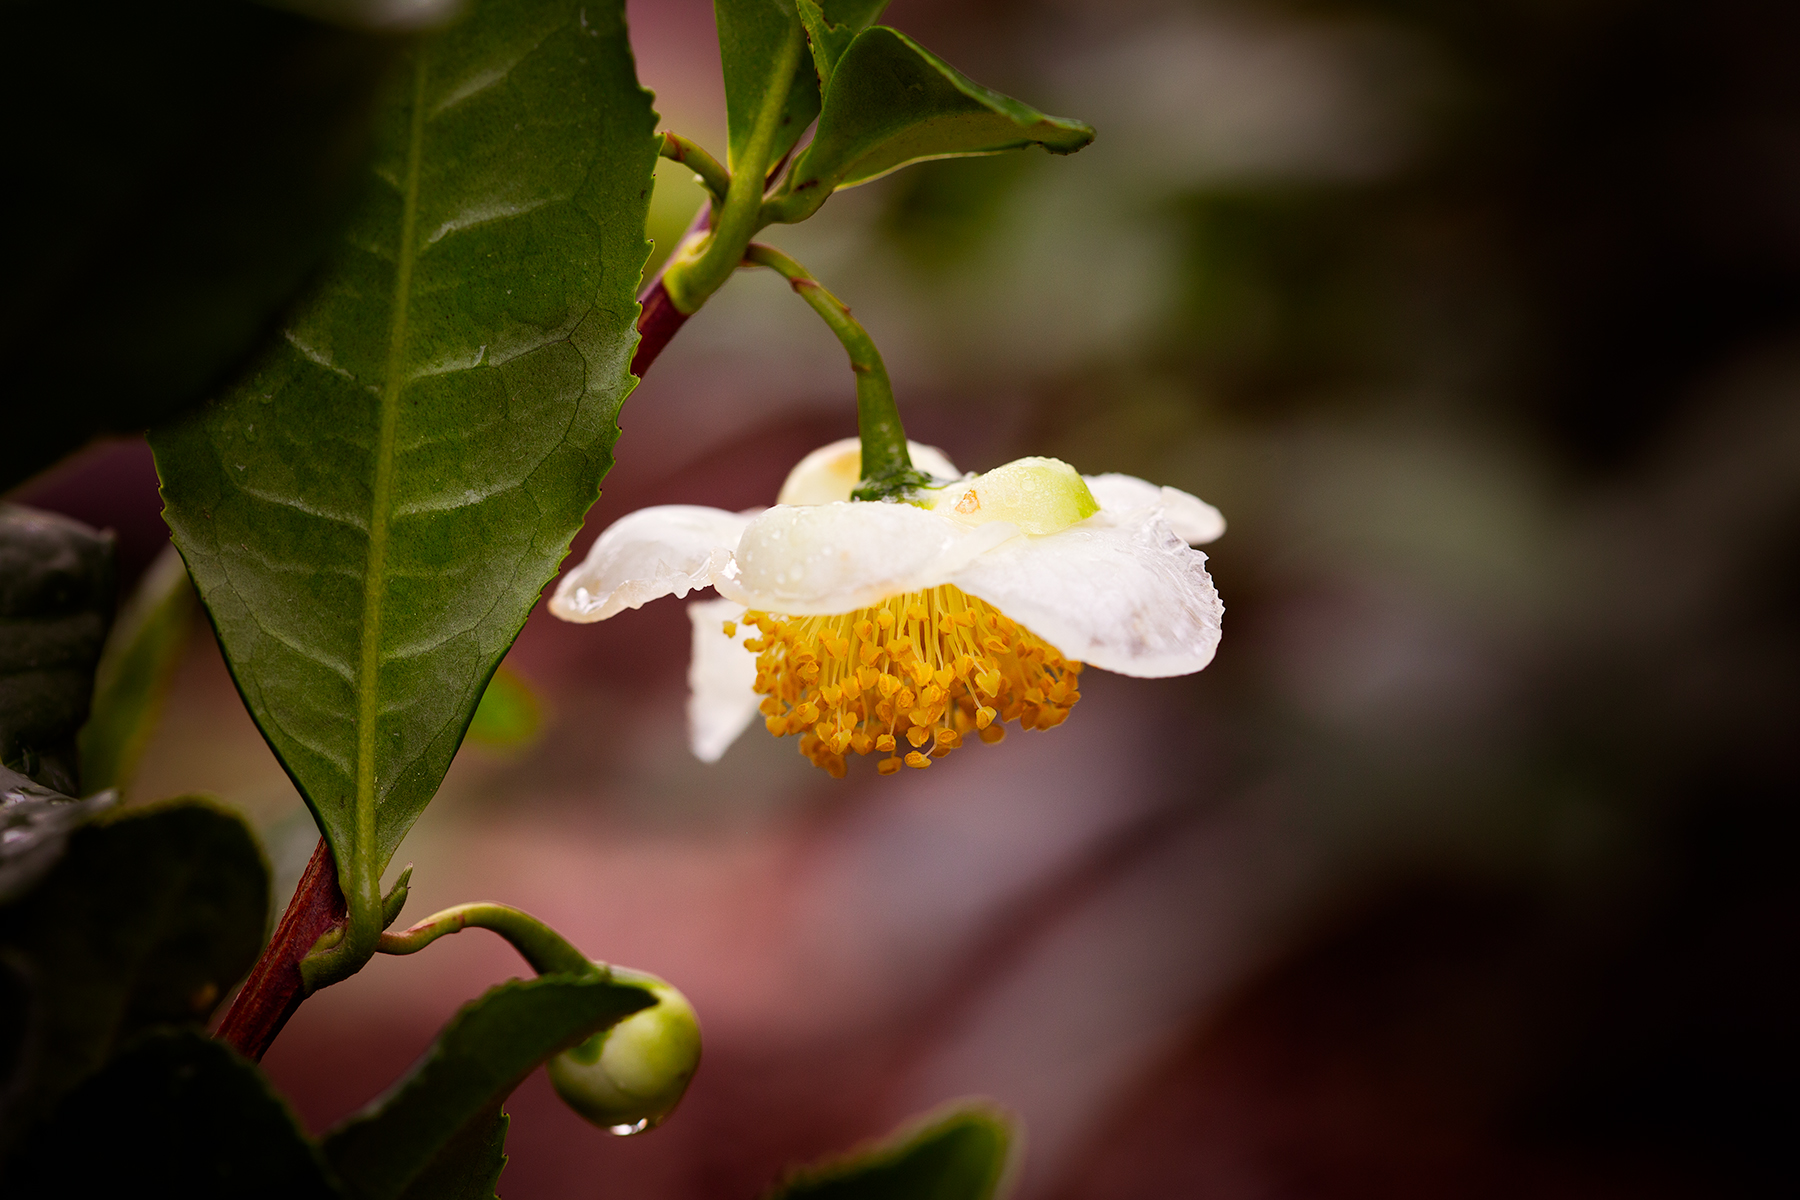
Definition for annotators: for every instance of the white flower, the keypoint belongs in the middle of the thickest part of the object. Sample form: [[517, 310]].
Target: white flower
[[862, 626]]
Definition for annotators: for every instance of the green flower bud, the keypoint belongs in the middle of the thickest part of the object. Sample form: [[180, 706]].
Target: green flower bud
[[631, 1076]]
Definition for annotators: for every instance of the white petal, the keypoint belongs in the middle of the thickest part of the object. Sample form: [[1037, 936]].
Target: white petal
[[832, 472], [721, 679], [671, 549], [832, 558], [1127, 595], [1192, 518]]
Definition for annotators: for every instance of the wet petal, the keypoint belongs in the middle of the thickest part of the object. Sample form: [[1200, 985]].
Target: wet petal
[[671, 549], [721, 679], [832, 472], [1192, 518], [1126, 595], [832, 558]]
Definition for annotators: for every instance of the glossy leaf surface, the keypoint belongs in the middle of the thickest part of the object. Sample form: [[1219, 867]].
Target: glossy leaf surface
[[35, 823], [149, 918], [133, 677], [370, 516], [173, 173], [56, 602], [175, 1114], [754, 36], [892, 102], [960, 1155], [453, 1093]]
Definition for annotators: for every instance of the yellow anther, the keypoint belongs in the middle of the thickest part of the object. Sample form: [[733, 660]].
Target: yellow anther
[[755, 645], [730, 628], [962, 667]]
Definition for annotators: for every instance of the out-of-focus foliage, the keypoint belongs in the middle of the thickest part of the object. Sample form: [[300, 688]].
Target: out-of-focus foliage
[[173, 174], [958, 1155], [132, 677], [56, 602]]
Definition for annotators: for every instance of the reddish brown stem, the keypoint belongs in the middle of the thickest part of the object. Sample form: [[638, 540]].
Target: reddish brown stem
[[273, 991]]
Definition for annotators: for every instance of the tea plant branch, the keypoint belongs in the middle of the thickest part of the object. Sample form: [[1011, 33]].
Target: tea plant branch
[[701, 268], [887, 470]]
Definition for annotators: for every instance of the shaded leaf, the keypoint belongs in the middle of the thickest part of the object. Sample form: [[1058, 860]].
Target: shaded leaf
[[959, 1155], [892, 102], [831, 25], [469, 1167], [453, 1093], [758, 41], [149, 918], [174, 173], [175, 1114], [35, 824], [371, 514], [135, 670], [56, 601]]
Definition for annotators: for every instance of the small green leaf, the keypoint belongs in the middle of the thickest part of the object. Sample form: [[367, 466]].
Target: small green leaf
[[510, 716], [959, 1155], [831, 25], [56, 601], [188, 164], [150, 917], [370, 515], [175, 1114], [892, 102], [754, 37], [134, 674], [454, 1091]]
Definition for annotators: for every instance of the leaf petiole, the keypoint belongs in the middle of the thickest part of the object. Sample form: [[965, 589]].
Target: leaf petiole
[[887, 468], [705, 167]]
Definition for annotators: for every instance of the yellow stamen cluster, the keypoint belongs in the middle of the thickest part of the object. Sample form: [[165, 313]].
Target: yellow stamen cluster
[[924, 667]]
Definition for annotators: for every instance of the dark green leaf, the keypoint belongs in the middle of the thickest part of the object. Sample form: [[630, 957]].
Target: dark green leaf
[[370, 516], [173, 172], [454, 1092], [959, 1155], [892, 102], [35, 823], [56, 601], [831, 25], [149, 918], [755, 38], [175, 1114], [469, 1167], [135, 669]]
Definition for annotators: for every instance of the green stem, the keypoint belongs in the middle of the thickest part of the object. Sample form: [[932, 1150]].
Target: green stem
[[701, 269], [545, 949], [712, 176], [887, 469]]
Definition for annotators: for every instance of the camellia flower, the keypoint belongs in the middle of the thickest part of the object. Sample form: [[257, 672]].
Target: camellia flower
[[901, 628]]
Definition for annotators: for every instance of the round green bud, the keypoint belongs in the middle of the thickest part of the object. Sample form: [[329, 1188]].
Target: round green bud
[[631, 1076]]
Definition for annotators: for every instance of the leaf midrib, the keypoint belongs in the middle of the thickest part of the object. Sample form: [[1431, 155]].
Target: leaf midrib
[[381, 496]]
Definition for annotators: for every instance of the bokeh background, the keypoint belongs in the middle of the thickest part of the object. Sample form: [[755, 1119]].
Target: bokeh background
[[1465, 870]]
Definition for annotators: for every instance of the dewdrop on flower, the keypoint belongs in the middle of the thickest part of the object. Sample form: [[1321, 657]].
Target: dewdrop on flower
[[902, 629]]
